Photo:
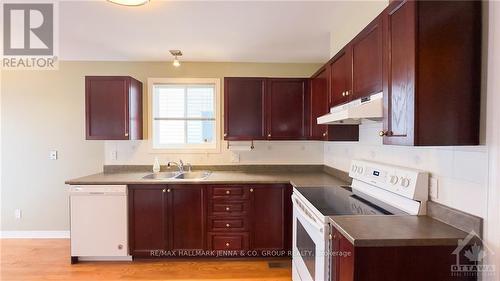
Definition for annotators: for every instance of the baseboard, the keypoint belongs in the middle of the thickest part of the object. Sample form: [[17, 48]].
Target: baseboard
[[34, 234], [124, 258]]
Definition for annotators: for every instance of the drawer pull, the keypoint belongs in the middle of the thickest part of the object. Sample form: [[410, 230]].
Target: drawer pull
[[228, 192], [227, 208], [228, 225], [227, 244], [251, 189]]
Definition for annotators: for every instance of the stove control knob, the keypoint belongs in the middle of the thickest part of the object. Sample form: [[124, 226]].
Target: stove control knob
[[360, 170], [393, 180], [354, 168], [405, 182]]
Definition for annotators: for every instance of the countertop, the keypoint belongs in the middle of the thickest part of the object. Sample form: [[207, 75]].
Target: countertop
[[387, 231], [362, 231], [298, 179]]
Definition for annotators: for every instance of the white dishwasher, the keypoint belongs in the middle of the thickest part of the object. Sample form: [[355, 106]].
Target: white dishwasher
[[99, 222]]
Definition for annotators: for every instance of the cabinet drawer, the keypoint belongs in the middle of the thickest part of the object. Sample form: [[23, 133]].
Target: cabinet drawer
[[228, 225], [230, 192], [228, 208], [229, 242]]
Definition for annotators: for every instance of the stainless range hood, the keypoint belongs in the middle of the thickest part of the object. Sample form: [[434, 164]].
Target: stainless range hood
[[351, 113]]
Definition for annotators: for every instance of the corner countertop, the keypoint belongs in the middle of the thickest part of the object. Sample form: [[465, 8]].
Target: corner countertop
[[394, 231], [298, 179]]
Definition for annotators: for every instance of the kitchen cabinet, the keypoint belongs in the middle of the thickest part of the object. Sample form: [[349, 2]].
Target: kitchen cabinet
[[381, 263], [166, 218], [367, 53], [341, 77], [215, 217], [432, 72], [285, 108], [244, 114], [265, 108], [319, 105], [272, 217], [253, 217], [147, 219], [113, 108]]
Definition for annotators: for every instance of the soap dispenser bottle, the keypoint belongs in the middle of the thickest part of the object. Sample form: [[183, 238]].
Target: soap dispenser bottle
[[156, 166]]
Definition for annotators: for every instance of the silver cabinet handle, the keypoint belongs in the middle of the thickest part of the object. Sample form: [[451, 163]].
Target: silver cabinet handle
[[346, 93], [251, 189], [168, 190], [228, 192], [227, 209], [343, 94], [228, 225]]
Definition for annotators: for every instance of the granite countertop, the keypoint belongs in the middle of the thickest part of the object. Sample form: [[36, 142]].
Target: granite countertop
[[387, 231], [298, 179]]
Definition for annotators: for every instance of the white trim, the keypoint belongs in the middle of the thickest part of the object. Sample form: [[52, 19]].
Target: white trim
[[62, 234], [218, 114]]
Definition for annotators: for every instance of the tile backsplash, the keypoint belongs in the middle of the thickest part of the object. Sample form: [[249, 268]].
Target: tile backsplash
[[461, 171]]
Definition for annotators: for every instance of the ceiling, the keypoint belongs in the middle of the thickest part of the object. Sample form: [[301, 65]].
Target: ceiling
[[245, 31]]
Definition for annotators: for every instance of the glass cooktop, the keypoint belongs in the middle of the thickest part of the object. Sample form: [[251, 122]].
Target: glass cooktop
[[333, 201]]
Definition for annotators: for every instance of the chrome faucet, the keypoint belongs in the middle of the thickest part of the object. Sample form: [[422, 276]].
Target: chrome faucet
[[180, 166]]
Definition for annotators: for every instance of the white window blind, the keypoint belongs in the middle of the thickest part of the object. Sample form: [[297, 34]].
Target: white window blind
[[184, 116]]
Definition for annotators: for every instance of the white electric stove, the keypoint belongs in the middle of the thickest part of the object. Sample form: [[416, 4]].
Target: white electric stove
[[376, 189]]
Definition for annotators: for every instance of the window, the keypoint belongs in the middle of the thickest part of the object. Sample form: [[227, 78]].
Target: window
[[184, 114]]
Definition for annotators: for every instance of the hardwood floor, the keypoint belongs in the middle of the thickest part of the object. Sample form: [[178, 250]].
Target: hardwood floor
[[48, 259]]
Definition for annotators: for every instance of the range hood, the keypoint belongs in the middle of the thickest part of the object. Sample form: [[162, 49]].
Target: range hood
[[351, 113]]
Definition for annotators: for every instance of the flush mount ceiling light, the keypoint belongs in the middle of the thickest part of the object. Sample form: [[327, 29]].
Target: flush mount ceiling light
[[129, 2], [176, 54]]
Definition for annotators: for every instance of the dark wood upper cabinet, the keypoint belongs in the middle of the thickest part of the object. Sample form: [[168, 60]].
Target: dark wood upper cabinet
[[341, 77], [244, 116], [285, 108], [319, 105], [367, 52], [113, 108], [432, 72]]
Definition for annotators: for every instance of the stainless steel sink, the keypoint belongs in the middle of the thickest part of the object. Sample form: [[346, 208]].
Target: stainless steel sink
[[196, 175], [161, 176]]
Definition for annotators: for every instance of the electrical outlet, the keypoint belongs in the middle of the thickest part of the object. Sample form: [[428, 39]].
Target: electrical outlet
[[114, 155], [433, 188], [235, 157], [17, 214], [53, 155]]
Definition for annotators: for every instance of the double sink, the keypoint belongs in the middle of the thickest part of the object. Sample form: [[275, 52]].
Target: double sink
[[192, 175]]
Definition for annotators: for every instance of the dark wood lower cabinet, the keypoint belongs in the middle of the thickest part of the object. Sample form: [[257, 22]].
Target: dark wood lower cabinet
[[165, 219], [408, 263], [178, 220]]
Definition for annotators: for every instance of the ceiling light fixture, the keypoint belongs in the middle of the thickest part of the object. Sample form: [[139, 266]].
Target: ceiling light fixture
[[176, 54], [129, 2]]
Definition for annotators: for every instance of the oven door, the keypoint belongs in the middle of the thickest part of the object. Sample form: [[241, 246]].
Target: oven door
[[310, 243]]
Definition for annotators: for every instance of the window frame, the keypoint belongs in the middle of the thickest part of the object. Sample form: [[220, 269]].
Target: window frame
[[184, 148]]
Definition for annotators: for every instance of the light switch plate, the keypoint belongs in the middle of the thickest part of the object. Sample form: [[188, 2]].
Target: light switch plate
[[235, 157], [53, 155], [17, 214], [433, 188]]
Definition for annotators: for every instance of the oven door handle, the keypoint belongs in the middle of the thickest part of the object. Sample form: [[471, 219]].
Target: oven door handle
[[305, 213]]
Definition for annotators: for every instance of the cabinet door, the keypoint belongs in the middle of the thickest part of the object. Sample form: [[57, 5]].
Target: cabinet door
[[271, 215], [244, 108], [367, 61], [319, 104], [340, 77], [147, 229], [342, 267], [286, 108], [106, 106], [399, 69], [186, 217]]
